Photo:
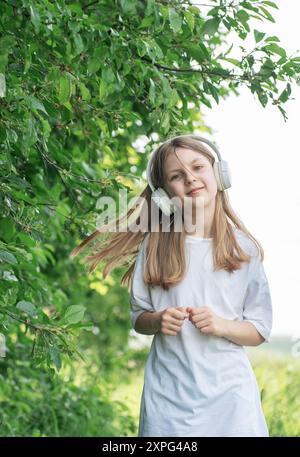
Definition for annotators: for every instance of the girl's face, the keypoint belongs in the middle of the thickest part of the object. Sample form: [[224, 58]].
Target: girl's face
[[191, 171]]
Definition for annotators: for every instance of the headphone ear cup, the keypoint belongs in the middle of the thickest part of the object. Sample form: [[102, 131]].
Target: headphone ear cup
[[222, 174], [163, 201]]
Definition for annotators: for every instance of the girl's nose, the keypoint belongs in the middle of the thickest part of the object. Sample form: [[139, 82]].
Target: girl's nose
[[190, 178]]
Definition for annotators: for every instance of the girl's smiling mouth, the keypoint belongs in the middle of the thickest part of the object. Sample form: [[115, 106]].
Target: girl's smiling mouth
[[195, 191]]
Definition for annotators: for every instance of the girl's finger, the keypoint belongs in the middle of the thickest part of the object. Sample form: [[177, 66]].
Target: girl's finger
[[179, 313], [202, 324], [206, 329], [200, 310], [172, 327], [177, 322], [201, 318], [171, 333]]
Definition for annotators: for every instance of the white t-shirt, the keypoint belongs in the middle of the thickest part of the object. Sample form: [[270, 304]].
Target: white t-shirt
[[197, 384]]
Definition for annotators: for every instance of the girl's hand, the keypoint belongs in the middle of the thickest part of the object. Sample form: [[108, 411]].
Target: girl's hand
[[206, 320], [171, 320]]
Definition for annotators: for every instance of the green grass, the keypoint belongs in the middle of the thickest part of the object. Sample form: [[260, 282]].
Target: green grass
[[278, 377], [130, 393]]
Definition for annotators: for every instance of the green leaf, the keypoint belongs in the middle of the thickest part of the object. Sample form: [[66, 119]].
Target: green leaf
[[263, 98], [243, 16], [78, 44], [150, 7], [258, 35], [85, 93], [284, 96], [103, 90], [88, 326], [146, 22], [165, 121], [283, 112], [272, 38], [272, 4], [268, 15], [213, 91], [206, 101], [249, 6], [273, 47], [190, 19], [7, 229], [188, 84], [64, 89], [108, 75], [152, 92], [198, 52], [129, 6], [213, 12], [27, 307], [94, 64], [7, 257], [36, 104], [141, 48], [235, 62], [175, 20], [2, 85], [152, 49], [55, 357], [228, 50], [35, 18], [74, 314], [210, 27], [25, 240], [228, 24], [172, 99]]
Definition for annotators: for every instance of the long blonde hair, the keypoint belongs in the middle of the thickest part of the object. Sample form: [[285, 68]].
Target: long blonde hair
[[166, 262]]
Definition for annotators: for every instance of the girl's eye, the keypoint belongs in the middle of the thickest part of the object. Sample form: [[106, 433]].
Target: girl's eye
[[176, 176]]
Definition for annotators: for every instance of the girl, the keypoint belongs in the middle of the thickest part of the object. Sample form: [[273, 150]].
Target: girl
[[203, 295]]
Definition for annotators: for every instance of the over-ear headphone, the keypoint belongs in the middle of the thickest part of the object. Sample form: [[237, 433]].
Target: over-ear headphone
[[221, 172]]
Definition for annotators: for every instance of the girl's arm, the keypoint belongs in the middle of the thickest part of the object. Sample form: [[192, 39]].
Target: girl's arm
[[148, 323], [242, 333]]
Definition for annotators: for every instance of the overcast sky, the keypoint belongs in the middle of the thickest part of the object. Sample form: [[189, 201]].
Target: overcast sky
[[263, 155]]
